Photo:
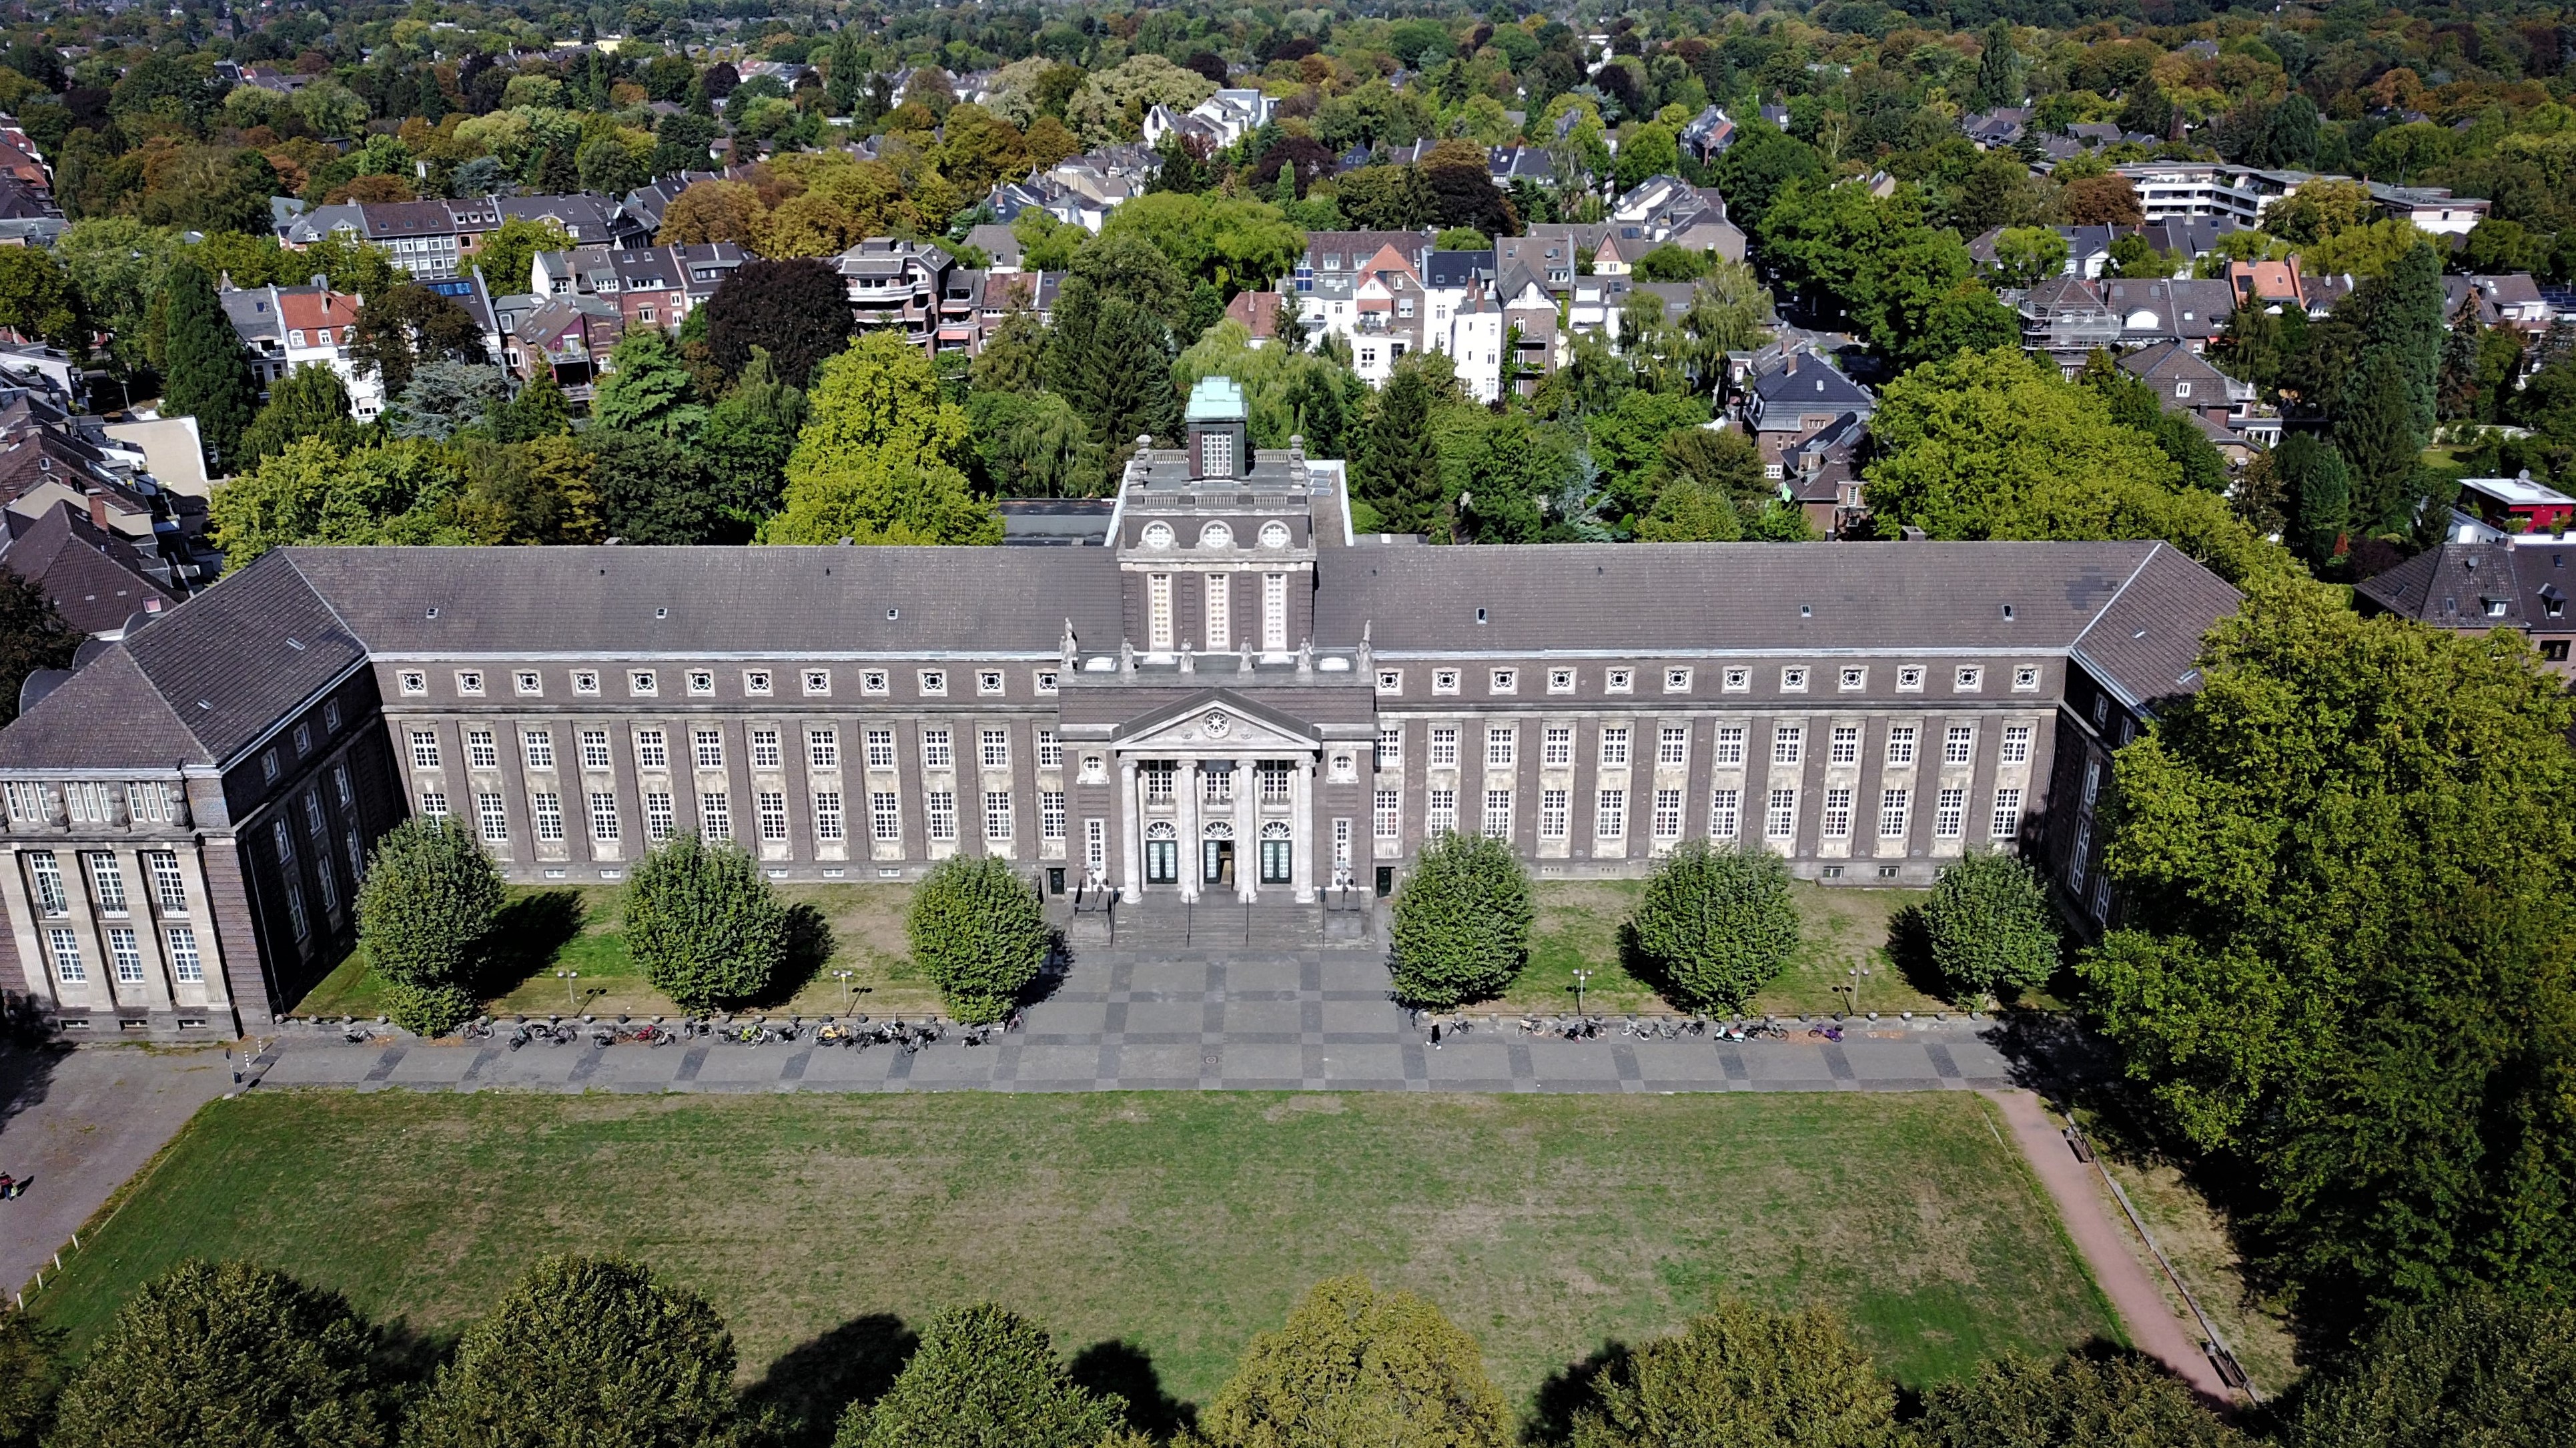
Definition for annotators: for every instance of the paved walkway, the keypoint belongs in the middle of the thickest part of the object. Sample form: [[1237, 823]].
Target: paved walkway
[[76, 1125], [1315, 1020]]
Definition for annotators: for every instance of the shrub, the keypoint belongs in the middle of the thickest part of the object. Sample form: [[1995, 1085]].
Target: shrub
[[2078, 1398], [983, 1376], [1742, 1374], [1714, 925], [31, 1373], [214, 1355], [1988, 926], [2473, 1369], [585, 1350], [1355, 1365], [978, 932], [425, 915], [1462, 922], [702, 924]]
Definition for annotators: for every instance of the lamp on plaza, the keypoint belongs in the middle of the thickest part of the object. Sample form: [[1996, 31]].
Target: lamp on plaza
[[844, 977], [1851, 987], [568, 977], [1581, 977]]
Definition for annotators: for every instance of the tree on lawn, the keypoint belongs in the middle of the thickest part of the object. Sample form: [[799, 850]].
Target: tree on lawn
[[214, 1355], [978, 933], [1356, 1365], [703, 924], [1715, 925], [32, 636], [206, 375], [797, 309], [1462, 922], [1742, 1375], [983, 1376], [586, 1350], [2071, 1401], [1989, 927], [425, 911], [403, 326]]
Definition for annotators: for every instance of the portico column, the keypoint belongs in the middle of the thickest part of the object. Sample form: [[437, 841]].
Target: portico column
[[1247, 828], [1131, 833], [1301, 847], [1193, 851]]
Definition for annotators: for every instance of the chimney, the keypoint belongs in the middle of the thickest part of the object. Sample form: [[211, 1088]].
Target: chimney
[[98, 508], [1789, 364]]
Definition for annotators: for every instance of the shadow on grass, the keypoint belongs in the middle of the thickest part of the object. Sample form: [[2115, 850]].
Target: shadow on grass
[[1567, 1392], [1128, 1370], [806, 1390], [407, 1355], [809, 945], [1909, 949], [527, 935]]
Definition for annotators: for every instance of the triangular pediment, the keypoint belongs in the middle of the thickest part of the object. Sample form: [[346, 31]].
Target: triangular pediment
[[1216, 719]]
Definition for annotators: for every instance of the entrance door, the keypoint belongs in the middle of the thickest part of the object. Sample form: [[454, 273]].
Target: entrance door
[[1218, 862], [1275, 861], [1162, 862]]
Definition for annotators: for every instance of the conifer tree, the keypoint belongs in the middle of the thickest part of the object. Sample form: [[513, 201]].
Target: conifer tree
[[2376, 435], [207, 377], [1399, 472], [1998, 71]]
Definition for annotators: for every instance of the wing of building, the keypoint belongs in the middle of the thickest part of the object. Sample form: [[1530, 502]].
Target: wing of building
[[1229, 695]]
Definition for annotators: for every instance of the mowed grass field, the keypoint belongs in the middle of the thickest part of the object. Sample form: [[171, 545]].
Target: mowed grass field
[[1177, 1223]]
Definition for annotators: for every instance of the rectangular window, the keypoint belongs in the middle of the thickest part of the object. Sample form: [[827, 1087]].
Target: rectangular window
[[1959, 744], [2092, 781], [996, 744], [642, 683], [772, 807], [1498, 813], [766, 752], [127, 955], [1560, 681], [1838, 814], [313, 820], [941, 811], [823, 748], [603, 816], [1220, 612], [1844, 747], [652, 749], [584, 681], [594, 749], [1444, 747], [67, 956], [1730, 745], [1891, 814], [708, 745], [1552, 813], [1275, 776], [185, 963], [1216, 454], [1556, 746], [885, 816], [1095, 845], [880, 747], [1216, 786], [660, 820], [1158, 612], [1610, 818], [1389, 823], [755, 682], [1672, 745], [1972, 678], [1499, 745], [1780, 820], [1050, 749], [1157, 775], [1900, 745], [715, 815], [1668, 814], [424, 749], [1786, 741], [169, 886], [1390, 745], [1274, 613], [827, 815], [1504, 681], [2016, 748], [547, 810], [2079, 862], [541, 748], [1793, 681], [481, 751], [108, 881], [1614, 744], [2006, 825], [1725, 814], [433, 803], [1442, 817], [818, 683], [1050, 814], [1950, 814], [935, 753], [494, 819], [329, 882]]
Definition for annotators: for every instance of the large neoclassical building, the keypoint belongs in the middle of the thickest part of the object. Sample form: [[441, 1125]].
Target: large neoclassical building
[[1226, 693]]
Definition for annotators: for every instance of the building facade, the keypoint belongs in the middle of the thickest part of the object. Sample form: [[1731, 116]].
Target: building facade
[[1234, 696]]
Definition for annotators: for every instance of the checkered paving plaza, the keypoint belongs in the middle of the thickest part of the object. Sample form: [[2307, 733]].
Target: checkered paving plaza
[[1314, 1020]]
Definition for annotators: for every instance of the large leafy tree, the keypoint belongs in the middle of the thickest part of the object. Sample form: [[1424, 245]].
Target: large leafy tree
[[2318, 495], [2074, 1401], [316, 492], [403, 326], [1715, 925], [796, 310], [703, 925], [2476, 1369], [653, 490], [308, 402], [648, 389], [586, 1350], [32, 636], [214, 1355], [1356, 1365], [1988, 927], [1743, 1376], [1462, 922], [878, 460], [1238, 245], [2345, 962], [977, 931], [31, 1375], [2374, 433], [39, 299], [507, 257], [750, 433], [206, 373], [983, 1376], [425, 913]]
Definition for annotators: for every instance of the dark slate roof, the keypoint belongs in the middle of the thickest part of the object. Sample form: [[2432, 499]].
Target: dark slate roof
[[1814, 383], [2145, 643], [2455, 585], [1458, 268], [97, 579], [1643, 599]]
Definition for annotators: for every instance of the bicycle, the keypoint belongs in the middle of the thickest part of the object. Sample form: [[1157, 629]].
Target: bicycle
[[478, 1029]]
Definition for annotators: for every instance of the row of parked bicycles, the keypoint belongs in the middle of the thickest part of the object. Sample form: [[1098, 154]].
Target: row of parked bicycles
[[852, 1034], [1643, 1028]]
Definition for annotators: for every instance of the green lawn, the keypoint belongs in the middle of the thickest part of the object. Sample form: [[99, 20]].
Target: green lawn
[[1843, 926], [1178, 1222], [577, 928]]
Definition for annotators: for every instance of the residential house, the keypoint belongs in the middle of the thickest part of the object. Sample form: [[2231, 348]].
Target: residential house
[[2520, 584], [1820, 475], [1257, 313], [1219, 121], [1000, 245], [653, 286], [96, 577], [1802, 397], [2175, 190], [2508, 301], [2518, 505], [567, 338], [2431, 208], [1708, 135], [283, 328], [2000, 128], [917, 289]]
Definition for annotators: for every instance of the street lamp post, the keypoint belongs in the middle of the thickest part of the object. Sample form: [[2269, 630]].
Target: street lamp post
[[1851, 988], [1580, 978], [568, 977], [844, 976]]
